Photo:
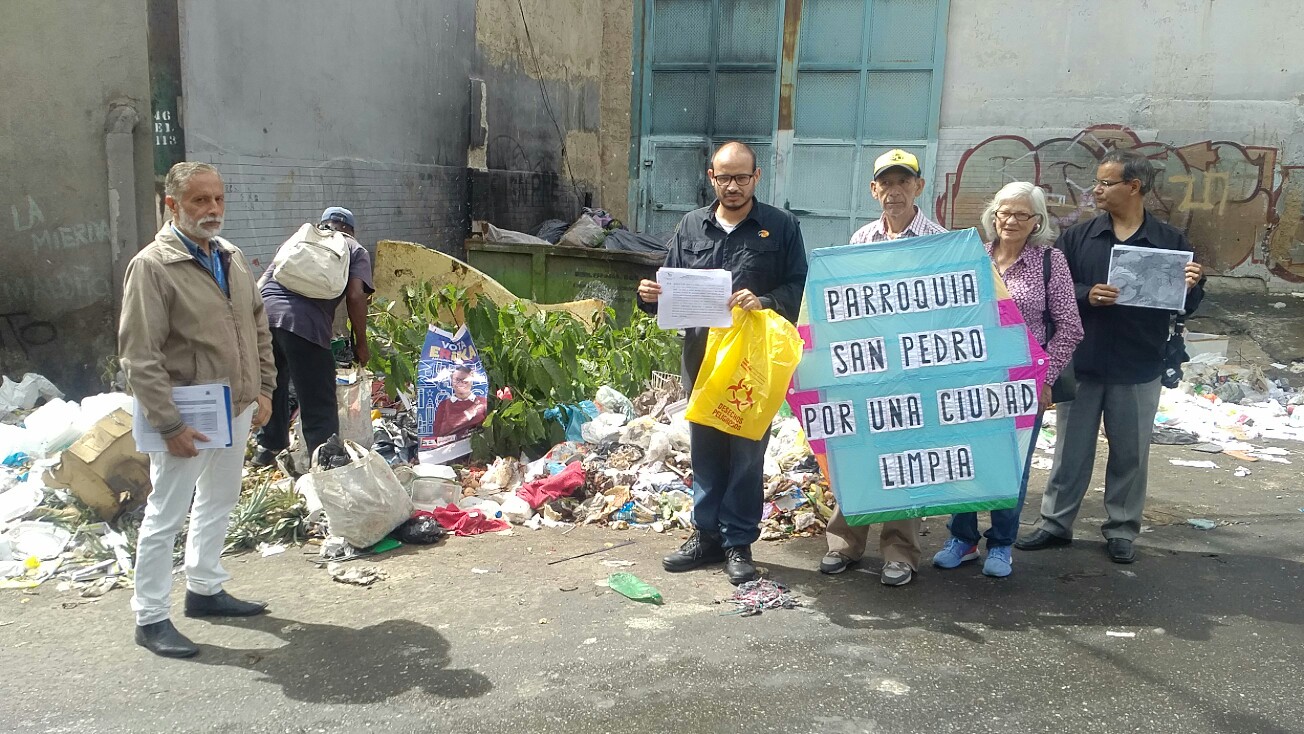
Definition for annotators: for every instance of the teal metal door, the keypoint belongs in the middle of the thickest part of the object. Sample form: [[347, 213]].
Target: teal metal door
[[710, 75], [819, 87]]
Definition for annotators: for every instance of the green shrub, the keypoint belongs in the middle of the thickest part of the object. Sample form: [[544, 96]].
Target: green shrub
[[546, 358]]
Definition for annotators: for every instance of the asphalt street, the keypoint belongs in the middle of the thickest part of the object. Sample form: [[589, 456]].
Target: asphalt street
[[1203, 634]]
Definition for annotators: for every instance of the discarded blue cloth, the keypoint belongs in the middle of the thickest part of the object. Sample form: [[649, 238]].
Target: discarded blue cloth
[[572, 418]]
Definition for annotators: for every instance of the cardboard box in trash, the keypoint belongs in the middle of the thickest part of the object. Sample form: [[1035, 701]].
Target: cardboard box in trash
[[104, 469]]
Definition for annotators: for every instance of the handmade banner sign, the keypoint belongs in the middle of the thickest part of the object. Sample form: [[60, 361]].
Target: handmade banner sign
[[918, 385]]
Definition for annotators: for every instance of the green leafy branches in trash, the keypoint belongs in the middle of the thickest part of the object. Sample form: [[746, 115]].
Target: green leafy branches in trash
[[547, 358], [266, 514]]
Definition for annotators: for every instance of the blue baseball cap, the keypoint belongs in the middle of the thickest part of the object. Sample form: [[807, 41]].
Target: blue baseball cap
[[339, 214]]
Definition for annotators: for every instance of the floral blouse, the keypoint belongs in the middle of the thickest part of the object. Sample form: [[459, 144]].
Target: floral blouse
[[1025, 282]]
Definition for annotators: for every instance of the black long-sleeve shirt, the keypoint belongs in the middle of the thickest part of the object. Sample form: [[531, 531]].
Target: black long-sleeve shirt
[[764, 253], [1122, 345]]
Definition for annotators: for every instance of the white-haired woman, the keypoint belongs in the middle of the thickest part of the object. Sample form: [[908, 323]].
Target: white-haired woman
[[1021, 234]]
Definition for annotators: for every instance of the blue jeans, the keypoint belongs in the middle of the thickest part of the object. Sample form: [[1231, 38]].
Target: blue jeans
[[1005, 523], [728, 484]]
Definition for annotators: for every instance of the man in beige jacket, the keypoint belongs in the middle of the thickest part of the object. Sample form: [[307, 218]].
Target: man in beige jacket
[[192, 315]]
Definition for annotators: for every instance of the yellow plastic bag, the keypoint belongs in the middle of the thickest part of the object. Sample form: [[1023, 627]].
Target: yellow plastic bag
[[745, 373]]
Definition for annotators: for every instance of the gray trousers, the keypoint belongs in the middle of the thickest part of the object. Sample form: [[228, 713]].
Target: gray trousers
[[1129, 416]]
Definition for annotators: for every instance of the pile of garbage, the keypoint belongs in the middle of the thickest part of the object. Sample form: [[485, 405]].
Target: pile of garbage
[[1218, 408], [63, 475], [73, 488], [1219, 402], [626, 465]]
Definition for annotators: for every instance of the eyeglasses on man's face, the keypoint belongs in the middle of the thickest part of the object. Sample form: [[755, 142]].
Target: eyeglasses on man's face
[[1100, 183], [1016, 216], [742, 179]]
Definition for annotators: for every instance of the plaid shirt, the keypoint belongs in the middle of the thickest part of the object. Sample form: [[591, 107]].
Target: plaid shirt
[[875, 231]]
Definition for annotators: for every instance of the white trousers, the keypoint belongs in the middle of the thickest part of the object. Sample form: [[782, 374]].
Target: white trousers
[[212, 481]]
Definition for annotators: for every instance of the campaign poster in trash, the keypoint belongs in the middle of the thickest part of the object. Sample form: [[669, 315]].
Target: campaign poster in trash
[[452, 395], [919, 383]]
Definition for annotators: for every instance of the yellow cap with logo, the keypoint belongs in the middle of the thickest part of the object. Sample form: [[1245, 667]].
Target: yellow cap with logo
[[896, 158]]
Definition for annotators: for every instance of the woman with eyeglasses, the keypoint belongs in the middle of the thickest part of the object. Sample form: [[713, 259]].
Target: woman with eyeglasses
[[1021, 234]]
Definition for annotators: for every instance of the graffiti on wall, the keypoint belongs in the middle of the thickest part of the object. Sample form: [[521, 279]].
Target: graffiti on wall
[[1241, 207]]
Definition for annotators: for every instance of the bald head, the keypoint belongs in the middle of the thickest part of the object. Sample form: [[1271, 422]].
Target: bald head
[[739, 154]]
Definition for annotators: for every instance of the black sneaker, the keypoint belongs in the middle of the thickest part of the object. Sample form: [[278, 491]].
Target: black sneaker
[[697, 551], [263, 458], [738, 564]]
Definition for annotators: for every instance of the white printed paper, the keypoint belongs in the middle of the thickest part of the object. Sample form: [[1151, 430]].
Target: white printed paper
[[943, 347], [1148, 277], [924, 467], [895, 413], [828, 420], [205, 408], [694, 298], [859, 356], [901, 296], [993, 401]]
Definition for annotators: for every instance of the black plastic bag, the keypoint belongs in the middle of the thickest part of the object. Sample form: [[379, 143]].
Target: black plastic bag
[[331, 455], [420, 530], [1174, 356]]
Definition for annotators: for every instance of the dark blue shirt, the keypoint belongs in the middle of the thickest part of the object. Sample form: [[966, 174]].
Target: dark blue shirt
[[210, 261], [764, 253], [1122, 345]]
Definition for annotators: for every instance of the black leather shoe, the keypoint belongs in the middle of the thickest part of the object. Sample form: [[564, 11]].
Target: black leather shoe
[[221, 604], [1120, 550], [738, 564], [1040, 539], [696, 552], [161, 638]]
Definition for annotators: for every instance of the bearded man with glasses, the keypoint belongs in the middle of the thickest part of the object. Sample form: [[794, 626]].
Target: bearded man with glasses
[[761, 246]]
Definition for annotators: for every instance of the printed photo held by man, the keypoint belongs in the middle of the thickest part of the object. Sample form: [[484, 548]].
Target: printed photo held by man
[[192, 315], [896, 185], [761, 247], [1118, 364]]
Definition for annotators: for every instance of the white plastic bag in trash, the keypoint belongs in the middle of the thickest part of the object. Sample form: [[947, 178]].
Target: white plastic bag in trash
[[604, 428], [52, 428], [353, 396], [363, 500], [585, 232], [511, 237], [23, 395]]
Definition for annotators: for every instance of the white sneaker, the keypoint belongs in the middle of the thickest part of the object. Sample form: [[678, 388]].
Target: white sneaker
[[896, 573]]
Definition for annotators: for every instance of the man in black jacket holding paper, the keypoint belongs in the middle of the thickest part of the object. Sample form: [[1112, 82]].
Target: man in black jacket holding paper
[[761, 246], [1118, 364]]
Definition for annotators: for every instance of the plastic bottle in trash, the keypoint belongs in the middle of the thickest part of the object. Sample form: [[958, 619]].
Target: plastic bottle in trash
[[632, 587], [626, 512]]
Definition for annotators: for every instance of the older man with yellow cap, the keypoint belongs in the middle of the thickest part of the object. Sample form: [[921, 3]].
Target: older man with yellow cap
[[897, 184]]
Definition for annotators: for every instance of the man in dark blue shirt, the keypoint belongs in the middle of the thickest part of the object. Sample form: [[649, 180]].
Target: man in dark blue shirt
[[761, 247], [1118, 363]]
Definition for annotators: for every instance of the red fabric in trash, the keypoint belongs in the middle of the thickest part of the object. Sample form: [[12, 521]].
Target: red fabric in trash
[[464, 522], [562, 484]]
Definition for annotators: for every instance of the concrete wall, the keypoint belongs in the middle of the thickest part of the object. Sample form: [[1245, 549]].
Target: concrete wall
[[64, 237], [1212, 90], [308, 104], [541, 103], [418, 116]]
